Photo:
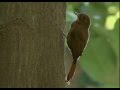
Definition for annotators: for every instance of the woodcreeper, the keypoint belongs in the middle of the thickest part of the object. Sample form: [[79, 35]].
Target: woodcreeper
[[77, 39]]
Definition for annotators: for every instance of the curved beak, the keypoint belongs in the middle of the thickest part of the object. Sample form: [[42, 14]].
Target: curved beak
[[76, 13]]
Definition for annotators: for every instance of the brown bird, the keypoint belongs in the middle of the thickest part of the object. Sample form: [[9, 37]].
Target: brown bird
[[77, 39]]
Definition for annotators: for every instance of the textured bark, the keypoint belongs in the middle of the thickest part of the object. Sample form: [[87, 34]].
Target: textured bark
[[32, 44]]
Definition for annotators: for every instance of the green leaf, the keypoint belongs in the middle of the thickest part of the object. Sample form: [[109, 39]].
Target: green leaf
[[98, 61], [114, 39]]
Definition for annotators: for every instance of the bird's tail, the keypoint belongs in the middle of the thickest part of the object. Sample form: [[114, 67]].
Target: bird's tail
[[72, 70]]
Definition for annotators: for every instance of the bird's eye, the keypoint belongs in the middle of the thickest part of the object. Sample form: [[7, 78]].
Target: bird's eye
[[82, 16]]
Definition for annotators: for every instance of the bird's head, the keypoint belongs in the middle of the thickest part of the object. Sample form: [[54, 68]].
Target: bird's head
[[83, 18]]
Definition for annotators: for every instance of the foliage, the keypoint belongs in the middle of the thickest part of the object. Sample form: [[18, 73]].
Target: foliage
[[100, 60]]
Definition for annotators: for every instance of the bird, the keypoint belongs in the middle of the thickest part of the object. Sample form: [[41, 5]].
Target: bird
[[77, 39]]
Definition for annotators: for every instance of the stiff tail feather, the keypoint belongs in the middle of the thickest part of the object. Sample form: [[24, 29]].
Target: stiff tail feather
[[72, 70]]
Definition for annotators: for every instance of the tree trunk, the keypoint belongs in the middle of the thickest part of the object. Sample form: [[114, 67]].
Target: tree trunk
[[32, 44]]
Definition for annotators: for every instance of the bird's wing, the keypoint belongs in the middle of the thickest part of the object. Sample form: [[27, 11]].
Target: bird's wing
[[82, 42]]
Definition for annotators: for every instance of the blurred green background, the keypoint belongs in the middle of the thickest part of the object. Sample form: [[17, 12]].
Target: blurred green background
[[99, 64]]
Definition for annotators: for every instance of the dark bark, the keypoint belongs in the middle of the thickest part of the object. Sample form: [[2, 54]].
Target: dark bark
[[32, 45]]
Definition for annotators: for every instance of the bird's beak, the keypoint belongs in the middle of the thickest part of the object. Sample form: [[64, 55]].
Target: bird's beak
[[76, 13]]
